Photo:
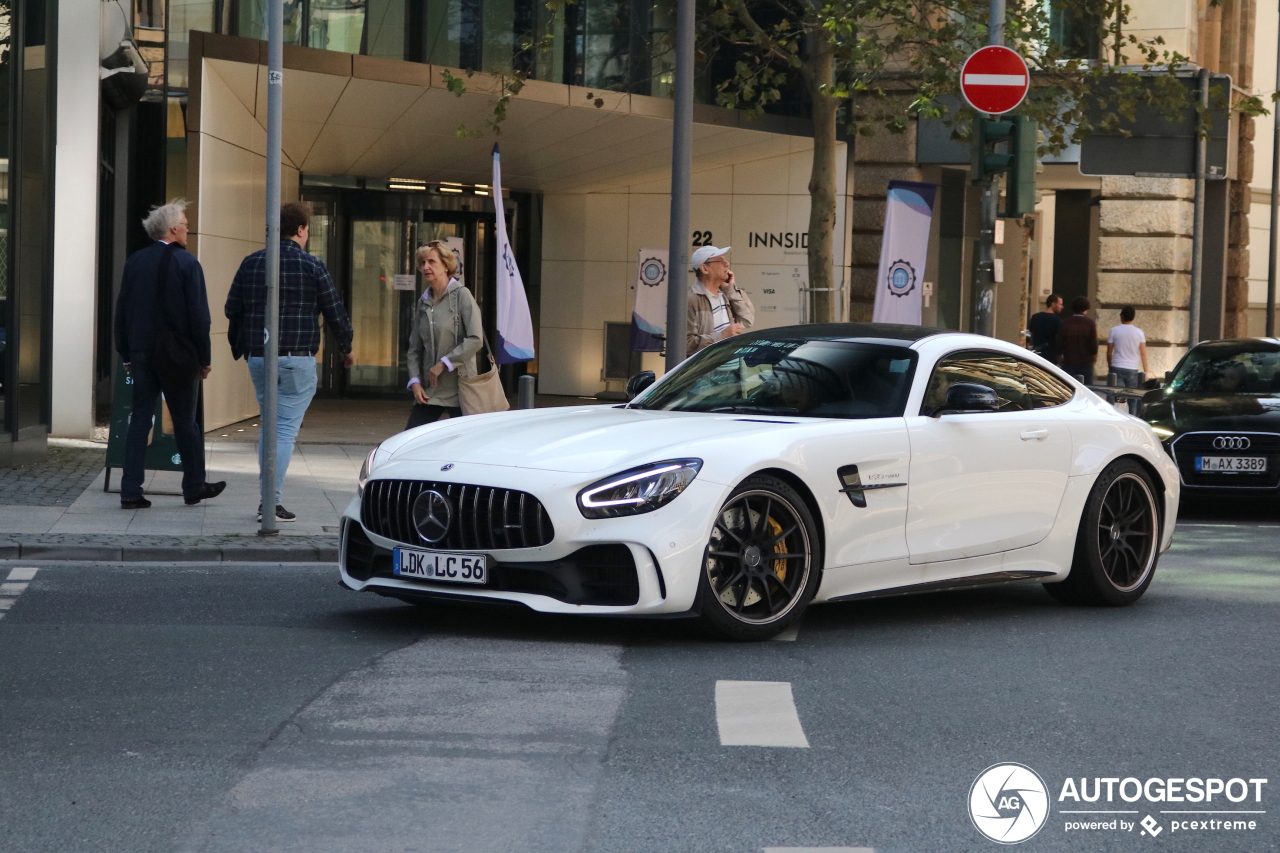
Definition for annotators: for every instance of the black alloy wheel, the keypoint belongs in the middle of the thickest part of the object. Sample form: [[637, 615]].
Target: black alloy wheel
[[762, 564], [1118, 543]]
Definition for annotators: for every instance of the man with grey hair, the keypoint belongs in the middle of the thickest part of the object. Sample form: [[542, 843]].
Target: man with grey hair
[[717, 308], [163, 289]]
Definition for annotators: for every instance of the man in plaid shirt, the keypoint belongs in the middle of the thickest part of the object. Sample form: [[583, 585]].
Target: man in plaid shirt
[[306, 290]]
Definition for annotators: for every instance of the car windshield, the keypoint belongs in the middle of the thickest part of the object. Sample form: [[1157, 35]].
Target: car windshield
[[804, 378], [1252, 368]]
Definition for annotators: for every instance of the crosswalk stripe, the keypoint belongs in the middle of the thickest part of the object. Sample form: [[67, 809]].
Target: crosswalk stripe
[[22, 573], [758, 713], [15, 585], [12, 588], [819, 850]]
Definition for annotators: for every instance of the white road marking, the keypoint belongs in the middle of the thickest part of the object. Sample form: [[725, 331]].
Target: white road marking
[[16, 586], [758, 713], [994, 80], [819, 850], [789, 635]]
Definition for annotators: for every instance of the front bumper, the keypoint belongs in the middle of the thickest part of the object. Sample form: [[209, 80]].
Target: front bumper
[[644, 565]]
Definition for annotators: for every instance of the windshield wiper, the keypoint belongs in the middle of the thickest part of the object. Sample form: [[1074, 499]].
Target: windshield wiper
[[754, 410]]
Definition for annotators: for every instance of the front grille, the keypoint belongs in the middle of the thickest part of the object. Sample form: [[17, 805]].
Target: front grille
[[484, 518], [1188, 446]]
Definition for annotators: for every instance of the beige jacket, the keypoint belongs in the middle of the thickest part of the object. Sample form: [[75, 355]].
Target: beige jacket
[[448, 327], [701, 323]]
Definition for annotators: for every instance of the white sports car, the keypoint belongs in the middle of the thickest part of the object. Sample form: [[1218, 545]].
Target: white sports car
[[772, 470]]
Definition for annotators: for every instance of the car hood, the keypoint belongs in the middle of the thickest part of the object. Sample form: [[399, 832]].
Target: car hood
[[1192, 412], [577, 440]]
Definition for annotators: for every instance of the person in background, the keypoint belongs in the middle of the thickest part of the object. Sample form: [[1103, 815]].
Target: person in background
[[444, 339], [717, 308], [306, 291], [138, 322], [1044, 328], [1127, 353], [1078, 341]]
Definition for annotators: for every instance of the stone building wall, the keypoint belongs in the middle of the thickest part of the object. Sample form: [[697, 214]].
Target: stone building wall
[[877, 160], [1144, 260]]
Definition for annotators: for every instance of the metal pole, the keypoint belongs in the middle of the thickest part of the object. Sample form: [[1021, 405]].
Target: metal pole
[[271, 346], [1197, 228], [1275, 210], [681, 167], [526, 392], [984, 283]]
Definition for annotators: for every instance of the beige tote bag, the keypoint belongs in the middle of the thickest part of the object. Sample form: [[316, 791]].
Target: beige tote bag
[[483, 392]]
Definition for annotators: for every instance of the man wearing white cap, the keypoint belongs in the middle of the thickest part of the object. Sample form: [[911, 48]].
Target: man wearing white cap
[[717, 308]]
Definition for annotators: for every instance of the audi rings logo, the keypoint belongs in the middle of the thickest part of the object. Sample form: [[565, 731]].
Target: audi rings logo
[[1008, 803], [1231, 442], [432, 514]]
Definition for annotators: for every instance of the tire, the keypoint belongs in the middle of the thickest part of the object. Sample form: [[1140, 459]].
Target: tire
[[744, 594], [1118, 543]]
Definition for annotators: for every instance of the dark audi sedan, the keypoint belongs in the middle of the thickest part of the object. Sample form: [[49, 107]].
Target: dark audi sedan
[[1219, 416]]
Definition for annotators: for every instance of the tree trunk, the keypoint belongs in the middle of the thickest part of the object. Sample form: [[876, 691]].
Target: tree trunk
[[822, 184]]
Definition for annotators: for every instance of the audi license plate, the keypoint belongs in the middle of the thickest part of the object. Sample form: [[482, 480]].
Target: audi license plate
[[440, 566], [1232, 464]]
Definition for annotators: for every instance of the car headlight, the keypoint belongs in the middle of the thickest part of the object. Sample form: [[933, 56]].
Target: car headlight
[[364, 471], [1164, 432], [638, 490]]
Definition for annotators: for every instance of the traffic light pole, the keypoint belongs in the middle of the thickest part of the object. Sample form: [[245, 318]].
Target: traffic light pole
[[984, 255]]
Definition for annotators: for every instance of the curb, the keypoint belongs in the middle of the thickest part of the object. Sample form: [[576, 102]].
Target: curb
[[300, 553]]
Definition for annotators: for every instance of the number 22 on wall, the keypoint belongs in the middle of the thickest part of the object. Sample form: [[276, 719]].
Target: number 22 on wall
[[702, 238]]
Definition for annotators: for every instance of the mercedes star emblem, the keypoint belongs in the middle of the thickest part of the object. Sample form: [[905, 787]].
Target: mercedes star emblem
[[432, 514], [446, 467]]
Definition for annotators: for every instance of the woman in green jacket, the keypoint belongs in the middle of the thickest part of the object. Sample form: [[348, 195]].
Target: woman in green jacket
[[444, 339]]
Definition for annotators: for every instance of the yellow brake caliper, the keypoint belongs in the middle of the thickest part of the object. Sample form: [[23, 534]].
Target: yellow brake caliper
[[779, 566]]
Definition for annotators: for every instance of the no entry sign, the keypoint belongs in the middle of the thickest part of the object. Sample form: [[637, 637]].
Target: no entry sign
[[994, 80]]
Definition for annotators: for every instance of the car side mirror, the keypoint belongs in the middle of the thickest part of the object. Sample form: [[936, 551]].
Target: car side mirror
[[968, 397], [639, 383], [1168, 376]]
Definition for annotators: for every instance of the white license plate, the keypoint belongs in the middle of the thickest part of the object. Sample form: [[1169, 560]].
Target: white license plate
[[1250, 464], [440, 566]]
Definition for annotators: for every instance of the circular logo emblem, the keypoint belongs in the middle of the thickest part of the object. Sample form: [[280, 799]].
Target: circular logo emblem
[[446, 467], [432, 514], [1231, 442], [902, 278], [1008, 803], [652, 272]]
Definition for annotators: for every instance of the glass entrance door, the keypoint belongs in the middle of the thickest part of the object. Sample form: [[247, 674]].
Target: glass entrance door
[[384, 286]]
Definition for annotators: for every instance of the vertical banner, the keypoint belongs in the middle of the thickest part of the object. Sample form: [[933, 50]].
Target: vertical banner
[[903, 252], [515, 327], [649, 316]]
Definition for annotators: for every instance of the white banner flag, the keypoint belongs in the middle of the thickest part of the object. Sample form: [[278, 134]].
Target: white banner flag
[[515, 327], [649, 317], [903, 252]]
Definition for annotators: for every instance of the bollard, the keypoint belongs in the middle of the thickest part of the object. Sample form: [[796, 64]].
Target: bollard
[[1112, 380], [526, 391]]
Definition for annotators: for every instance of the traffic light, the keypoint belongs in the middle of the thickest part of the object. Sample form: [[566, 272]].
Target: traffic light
[[987, 133], [1019, 137], [1020, 188]]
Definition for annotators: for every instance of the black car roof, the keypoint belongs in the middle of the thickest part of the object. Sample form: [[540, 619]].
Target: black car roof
[[853, 332], [1241, 344]]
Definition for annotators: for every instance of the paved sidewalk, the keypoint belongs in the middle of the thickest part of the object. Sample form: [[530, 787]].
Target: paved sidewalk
[[320, 483]]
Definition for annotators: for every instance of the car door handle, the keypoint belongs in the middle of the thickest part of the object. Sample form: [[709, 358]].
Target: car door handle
[[1029, 434]]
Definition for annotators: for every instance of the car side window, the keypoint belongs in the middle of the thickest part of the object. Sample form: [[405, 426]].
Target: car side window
[[1001, 373], [1045, 389]]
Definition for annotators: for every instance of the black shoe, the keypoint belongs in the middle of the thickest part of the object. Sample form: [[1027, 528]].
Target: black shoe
[[136, 503], [282, 514], [208, 490]]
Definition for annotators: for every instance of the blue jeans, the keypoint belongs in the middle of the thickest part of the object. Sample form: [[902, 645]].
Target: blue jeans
[[1128, 378], [297, 385]]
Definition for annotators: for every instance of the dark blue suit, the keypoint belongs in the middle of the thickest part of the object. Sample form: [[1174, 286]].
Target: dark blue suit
[[138, 321]]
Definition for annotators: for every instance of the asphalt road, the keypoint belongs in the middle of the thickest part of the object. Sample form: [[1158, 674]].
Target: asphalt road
[[255, 708]]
